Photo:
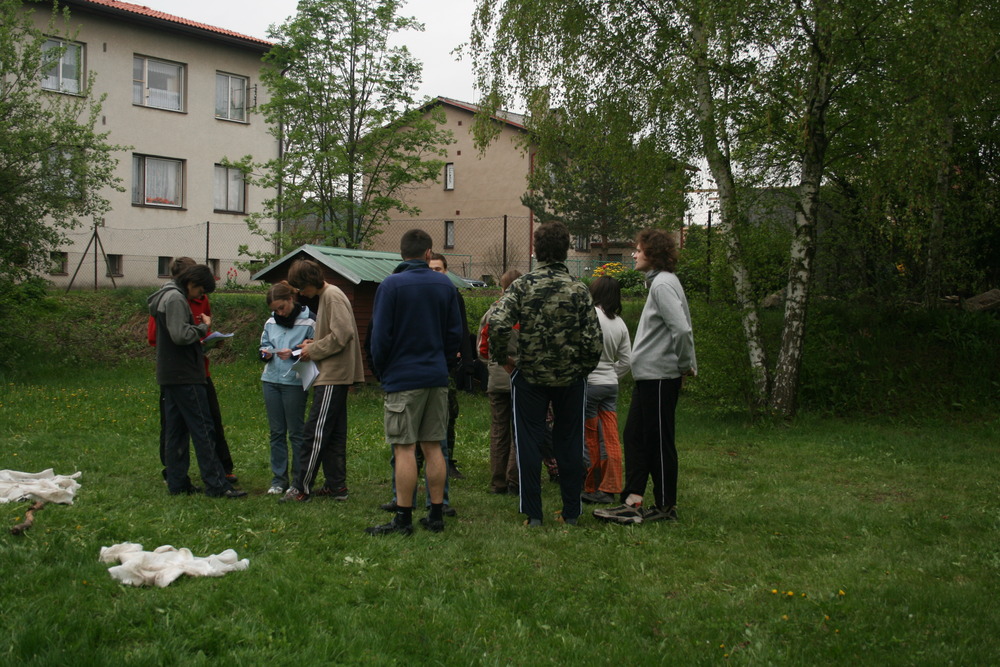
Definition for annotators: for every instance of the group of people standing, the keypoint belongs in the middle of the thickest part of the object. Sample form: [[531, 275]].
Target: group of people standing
[[555, 350]]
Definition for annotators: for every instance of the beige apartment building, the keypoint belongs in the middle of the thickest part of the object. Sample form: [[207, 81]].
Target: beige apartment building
[[181, 95], [474, 211]]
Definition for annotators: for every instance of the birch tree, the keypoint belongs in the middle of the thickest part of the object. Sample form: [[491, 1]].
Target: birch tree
[[746, 85]]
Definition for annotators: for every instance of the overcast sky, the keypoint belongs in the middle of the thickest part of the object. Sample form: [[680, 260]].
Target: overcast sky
[[446, 25]]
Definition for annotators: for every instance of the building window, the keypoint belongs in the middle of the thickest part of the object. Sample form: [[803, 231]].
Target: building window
[[214, 265], [231, 97], [163, 266], [156, 83], [449, 233], [115, 266], [157, 181], [58, 261], [581, 242], [230, 190], [62, 66], [449, 176]]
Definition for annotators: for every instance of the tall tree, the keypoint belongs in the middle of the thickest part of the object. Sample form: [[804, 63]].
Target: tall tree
[[746, 85], [53, 165], [595, 171], [342, 107]]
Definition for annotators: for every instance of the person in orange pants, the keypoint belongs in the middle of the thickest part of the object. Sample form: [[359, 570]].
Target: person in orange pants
[[603, 454]]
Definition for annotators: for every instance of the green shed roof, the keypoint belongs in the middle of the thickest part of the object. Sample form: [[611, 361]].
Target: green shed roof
[[357, 266]]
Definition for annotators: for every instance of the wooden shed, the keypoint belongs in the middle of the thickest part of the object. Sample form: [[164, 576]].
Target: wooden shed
[[357, 272]]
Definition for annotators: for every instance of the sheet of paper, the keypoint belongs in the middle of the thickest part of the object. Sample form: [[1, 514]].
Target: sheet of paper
[[307, 372], [213, 339]]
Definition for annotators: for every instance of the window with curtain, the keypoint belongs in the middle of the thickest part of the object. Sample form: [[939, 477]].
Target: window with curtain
[[230, 190], [62, 66], [157, 181], [231, 96], [449, 233], [156, 83]]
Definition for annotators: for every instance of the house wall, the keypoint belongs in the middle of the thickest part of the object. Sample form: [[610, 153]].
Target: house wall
[[142, 234]]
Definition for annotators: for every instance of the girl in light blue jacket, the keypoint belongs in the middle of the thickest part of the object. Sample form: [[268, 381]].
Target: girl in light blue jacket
[[284, 398]]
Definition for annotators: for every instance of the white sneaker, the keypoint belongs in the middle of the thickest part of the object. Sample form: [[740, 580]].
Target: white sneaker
[[275, 491]]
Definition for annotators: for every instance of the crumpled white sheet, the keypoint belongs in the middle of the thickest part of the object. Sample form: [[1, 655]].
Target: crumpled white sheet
[[46, 485], [162, 566]]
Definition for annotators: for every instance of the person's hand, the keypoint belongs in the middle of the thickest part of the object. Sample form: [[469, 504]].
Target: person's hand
[[265, 355], [206, 320], [305, 349], [284, 354]]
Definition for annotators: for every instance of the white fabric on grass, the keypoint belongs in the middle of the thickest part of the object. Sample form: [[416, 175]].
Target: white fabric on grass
[[46, 486], [162, 566]]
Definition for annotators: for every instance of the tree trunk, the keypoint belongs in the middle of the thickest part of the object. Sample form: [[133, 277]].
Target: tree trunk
[[721, 168], [786, 372], [935, 239]]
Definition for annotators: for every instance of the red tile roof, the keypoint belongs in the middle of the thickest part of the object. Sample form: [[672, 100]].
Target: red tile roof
[[141, 10]]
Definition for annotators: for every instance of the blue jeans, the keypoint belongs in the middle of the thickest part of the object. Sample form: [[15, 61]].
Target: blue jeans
[[286, 414]]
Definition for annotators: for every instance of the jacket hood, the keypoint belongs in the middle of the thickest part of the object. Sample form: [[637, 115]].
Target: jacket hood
[[157, 297]]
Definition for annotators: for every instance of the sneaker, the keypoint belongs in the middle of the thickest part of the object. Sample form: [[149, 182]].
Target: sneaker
[[275, 491], [624, 514], [293, 494], [659, 514], [597, 498], [233, 493], [336, 494], [390, 506], [533, 523], [433, 526], [390, 528], [231, 478], [563, 520]]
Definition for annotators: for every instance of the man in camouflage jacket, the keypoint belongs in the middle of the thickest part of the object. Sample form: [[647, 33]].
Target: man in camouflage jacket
[[559, 344]]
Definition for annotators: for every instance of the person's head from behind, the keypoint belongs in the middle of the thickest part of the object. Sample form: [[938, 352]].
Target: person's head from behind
[[306, 276], [655, 249], [281, 298], [415, 244], [196, 281], [507, 278], [607, 294], [438, 262], [178, 264], [551, 242]]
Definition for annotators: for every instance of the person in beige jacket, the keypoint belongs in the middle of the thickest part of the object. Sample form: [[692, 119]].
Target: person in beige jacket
[[336, 350]]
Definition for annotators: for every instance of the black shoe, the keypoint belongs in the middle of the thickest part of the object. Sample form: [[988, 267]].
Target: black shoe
[[337, 494], [433, 526], [390, 528], [233, 493], [597, 498], [189, 491], [453, 471], [390, 506], [499, 492], [231, 478], [448, 510]]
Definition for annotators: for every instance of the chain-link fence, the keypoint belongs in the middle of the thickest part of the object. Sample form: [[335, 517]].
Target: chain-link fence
[[485, 248], [102, 257]]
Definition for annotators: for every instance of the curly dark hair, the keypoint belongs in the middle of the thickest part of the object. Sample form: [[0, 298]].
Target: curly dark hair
[[305, 272], [660, 247], [199, 275], [551, 242], [607, 293]]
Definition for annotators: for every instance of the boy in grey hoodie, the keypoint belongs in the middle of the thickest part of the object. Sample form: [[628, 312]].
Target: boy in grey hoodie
[[180, 372]]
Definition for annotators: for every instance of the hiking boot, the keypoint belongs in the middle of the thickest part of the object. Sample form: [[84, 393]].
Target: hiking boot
[[294, 495], [597, 498], [659, 514], [623, 514], [433, 526], [391, 528], [453, 471]]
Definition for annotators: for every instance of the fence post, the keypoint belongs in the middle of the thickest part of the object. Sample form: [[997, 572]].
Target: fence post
[[208, 234], [504, 243]]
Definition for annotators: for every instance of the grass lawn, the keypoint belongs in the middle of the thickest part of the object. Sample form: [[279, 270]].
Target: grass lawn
[[822, 542]]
